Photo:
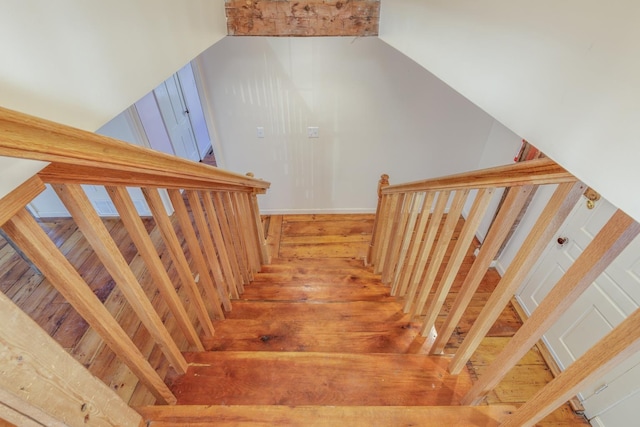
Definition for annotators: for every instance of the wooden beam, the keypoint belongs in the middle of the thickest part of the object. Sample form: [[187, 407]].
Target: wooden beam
[[132, 222], [353, 18], [218, 293], [492, 242], [552, 217], [92, 227], [26, 232], [612, 350], [170, 238], [617, 233], [532, 172], [468, 232], [43, 378], [20, 197]]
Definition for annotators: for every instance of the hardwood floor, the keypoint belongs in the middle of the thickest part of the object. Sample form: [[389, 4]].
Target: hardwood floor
[[314, 310]]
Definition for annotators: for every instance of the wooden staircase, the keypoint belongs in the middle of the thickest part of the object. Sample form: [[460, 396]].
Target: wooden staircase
[[320, 341], [313, 337]]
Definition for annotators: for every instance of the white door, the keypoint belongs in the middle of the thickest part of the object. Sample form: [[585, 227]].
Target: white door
[[187, 80], [175, 115], [614, 295]]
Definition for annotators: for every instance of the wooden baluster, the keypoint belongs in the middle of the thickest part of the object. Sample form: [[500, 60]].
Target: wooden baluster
[[25, 231], [387, 225], [236, 226], [381, 223], [399, 234], [439, 251], [217, 293], [258, 230], [562, 202], [261, 241], [375, 234], [17, 199], [132, 222], [425, 250], [41, 378], [92, 227], [172, 242], [409, 237], [616, 347], [468, 232], [248, 228], [214, 223], [395, 238], [617, 233], [416, 242], [209, 248], [226, 218], [507, 215], [390, 236], [378, 237]]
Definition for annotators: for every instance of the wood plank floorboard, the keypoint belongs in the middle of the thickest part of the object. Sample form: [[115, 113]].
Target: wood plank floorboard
[[307, 378], [351, 311], [318, 336], [323, 416], [312, 291]]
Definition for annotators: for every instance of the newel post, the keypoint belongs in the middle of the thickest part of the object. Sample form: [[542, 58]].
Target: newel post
[[258, 230], [382, 183]]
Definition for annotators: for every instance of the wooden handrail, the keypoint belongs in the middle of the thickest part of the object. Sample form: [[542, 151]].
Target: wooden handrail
[[532, 172], [78, 156]]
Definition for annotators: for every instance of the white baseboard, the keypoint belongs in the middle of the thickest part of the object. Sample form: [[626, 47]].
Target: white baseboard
[[498, 266], [317, 211]]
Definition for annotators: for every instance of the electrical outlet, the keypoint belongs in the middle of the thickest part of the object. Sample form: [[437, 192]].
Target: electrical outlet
[[260, 132], [313, 132]]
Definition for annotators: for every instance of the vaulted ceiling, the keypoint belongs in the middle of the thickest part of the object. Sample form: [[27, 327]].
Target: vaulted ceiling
[[303, 17]]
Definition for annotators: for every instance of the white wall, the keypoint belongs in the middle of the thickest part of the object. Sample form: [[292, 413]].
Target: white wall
[[378, 112], [16, 172], [501, 148], [82, 62], [563, 75]]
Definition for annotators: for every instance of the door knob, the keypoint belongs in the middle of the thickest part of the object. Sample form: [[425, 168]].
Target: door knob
[[562, 240]]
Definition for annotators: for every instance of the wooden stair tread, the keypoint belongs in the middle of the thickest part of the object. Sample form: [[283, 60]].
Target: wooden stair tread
[[285, 310], [313, 291], [325, 416], [308, 378], [316, 335]]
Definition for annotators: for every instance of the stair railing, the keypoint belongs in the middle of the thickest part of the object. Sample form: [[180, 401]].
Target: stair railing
[[227, 228], [413, 235]]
